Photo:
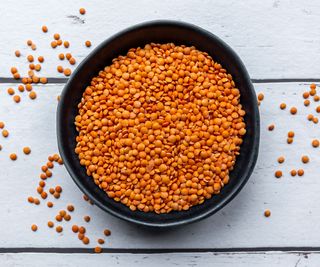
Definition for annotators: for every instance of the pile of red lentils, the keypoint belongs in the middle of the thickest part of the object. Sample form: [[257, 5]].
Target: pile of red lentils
[[160, 128]]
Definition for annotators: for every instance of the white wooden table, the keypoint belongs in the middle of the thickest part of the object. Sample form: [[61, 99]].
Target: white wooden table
[[279, 42]]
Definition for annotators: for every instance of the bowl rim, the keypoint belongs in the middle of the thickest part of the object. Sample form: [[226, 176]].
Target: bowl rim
[[256, 136]]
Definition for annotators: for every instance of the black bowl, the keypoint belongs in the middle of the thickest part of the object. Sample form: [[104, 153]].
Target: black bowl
[[139, 35]]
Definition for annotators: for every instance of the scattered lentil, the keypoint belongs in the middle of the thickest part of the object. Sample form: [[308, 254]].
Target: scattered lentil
[[300, 172], [87, 218], [271, 127], [293, 110], [107, 232], [100, 241], [59, 229], [278, 174], [267, 213], [26, 150], [16, 98], [32, 95], [75, 228], [34, 227], [66, 44], [293, 172], [281, 159], [283, 106], [305, 159], [5, 133], [315, 143], [13, 156]]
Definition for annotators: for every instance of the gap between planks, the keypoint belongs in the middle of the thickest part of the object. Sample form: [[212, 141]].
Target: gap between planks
[[293, 250], [284, 80]]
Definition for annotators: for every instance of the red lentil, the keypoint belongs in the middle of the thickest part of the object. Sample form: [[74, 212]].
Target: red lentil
[[34, 227]]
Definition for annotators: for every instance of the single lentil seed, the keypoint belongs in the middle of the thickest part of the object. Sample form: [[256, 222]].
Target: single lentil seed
[[88, 43], [87, 218], [58, 189], [283, 106], [5, 133], [75, 228], [56, 36], [34, 227], [100, 241], [107, 232], [50, 224], [313, 86], [30, 58], [82, 11], [54, 44], [26, 150], [50, 204], [260, 96], [271, 127], [315, 143], [293, 172], [70, 208], [59, 229], [306, 95], [72, 61], [305, 159], [300, 172], [293, 110], [66, 44], [13, 156], [86, 240], [44, 28], [16, 98], [32, 95], [278, 174], [98, 249], [10, 91], [60, 69], [267, 213], [291, 134], [67, 72], [281, 159]]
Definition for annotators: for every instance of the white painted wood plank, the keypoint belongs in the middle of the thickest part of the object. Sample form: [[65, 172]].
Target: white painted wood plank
[[293, 201], [275, 39], [159, 260]]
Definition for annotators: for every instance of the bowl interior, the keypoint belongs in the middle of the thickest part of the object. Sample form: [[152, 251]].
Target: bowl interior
[[158, 32]]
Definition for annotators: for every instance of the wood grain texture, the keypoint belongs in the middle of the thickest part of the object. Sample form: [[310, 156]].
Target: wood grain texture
[[275, 39], [293, 201], [157, 260]]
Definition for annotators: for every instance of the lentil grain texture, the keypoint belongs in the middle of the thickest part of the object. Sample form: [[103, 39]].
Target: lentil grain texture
[[160, 128]]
